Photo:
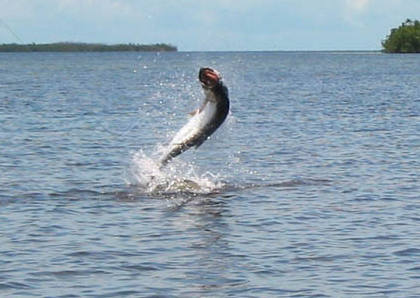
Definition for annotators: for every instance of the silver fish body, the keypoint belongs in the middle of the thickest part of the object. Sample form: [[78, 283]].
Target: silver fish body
[[206, 120]]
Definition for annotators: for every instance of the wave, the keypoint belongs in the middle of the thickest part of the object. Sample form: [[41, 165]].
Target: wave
[[184, 178]]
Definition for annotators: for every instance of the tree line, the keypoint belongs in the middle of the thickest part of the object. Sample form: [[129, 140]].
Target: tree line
[[404, 39], [86, 47]]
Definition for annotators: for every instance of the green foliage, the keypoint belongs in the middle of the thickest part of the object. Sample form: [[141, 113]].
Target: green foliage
[[404, 39], [85, 47]]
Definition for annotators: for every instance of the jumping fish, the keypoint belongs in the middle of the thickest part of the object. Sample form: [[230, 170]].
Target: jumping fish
[[205, 120]]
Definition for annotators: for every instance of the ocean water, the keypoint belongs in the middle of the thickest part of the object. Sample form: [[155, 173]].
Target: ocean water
[[309, 189]]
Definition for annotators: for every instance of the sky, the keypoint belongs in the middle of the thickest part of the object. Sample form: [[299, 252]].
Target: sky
[[204, 25]]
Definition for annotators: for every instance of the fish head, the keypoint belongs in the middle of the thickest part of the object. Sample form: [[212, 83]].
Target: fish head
[[209, 77]]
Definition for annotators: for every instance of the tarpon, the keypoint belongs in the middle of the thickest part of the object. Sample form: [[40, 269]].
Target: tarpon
[[205, 120]]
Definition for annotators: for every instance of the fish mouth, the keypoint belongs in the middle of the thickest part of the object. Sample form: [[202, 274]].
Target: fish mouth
[[209, 77]]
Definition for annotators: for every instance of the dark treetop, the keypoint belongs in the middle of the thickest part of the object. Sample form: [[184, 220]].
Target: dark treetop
[[404, 39]]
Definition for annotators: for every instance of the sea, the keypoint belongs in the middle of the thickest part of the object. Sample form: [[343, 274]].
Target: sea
[[309, 189]]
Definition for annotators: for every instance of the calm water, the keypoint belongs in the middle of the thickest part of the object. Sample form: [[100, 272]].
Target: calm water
[[311, 187]]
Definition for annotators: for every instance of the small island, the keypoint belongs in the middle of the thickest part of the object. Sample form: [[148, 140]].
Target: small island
[[404, 39], [86, 47]]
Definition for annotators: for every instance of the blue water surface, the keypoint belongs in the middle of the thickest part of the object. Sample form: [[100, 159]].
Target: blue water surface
[[310, 188]]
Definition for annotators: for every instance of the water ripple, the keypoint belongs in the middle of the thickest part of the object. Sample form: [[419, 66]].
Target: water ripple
[[309, 189]]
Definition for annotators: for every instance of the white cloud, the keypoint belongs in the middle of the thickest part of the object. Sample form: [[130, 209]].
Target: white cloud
[[357, 5], [98, 8]]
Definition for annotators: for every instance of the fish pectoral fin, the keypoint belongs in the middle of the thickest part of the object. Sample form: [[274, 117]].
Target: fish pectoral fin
[[194, 112]]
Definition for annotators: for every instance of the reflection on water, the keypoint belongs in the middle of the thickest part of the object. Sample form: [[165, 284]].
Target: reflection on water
[[208, 241]]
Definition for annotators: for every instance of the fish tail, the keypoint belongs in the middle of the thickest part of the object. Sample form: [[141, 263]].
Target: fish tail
[[173, 153]]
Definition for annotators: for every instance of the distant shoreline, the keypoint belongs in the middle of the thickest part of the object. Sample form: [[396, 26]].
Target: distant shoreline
[[64, 47], [86, 47]]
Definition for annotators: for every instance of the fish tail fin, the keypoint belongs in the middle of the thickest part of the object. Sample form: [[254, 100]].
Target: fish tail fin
[[164, 161], [171, 154]]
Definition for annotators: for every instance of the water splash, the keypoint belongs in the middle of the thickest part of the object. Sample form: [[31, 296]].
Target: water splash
[[177, 177]]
